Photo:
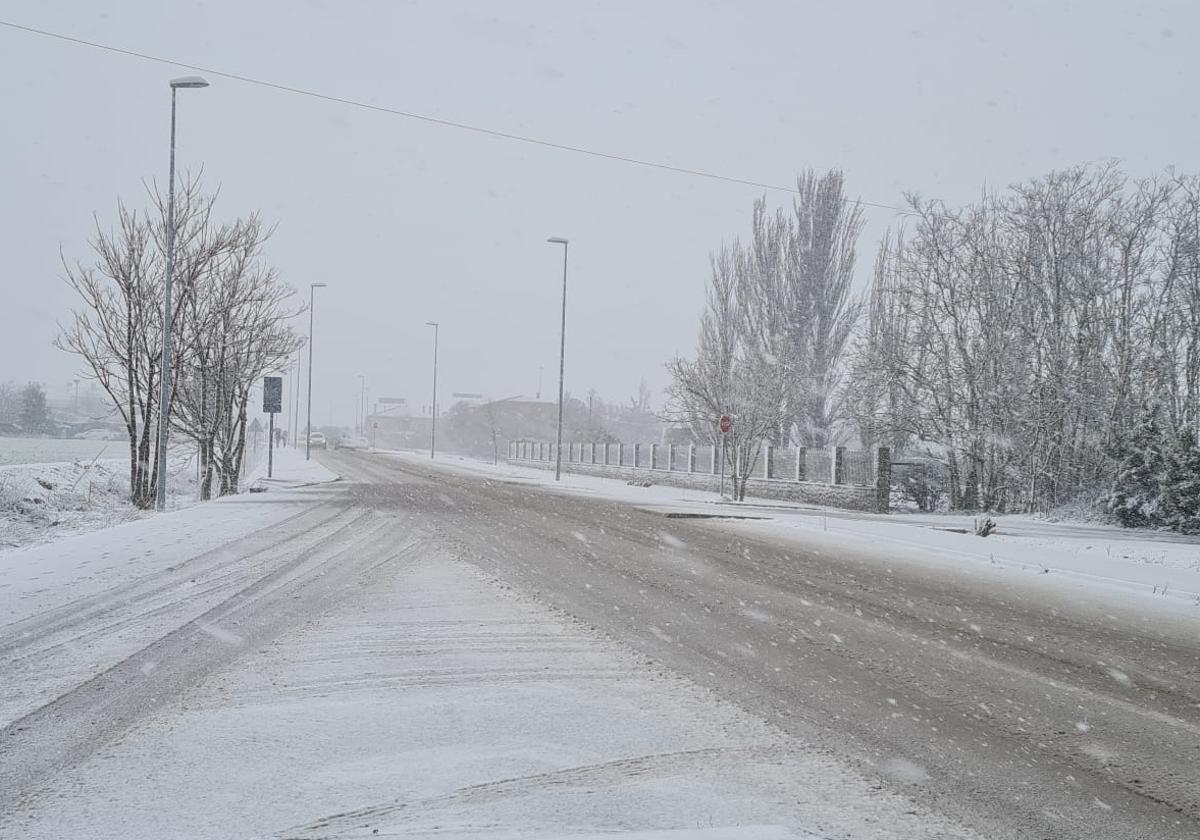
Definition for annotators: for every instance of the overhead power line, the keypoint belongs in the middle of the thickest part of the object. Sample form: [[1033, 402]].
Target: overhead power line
[[477, 129]]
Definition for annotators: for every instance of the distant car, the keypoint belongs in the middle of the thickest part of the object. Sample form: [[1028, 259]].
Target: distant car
[[352, 442], [317, 441]]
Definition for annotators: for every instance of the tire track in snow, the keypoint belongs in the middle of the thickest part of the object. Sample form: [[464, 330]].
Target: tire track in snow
[[589, 776], [42, 659], [70, 728]]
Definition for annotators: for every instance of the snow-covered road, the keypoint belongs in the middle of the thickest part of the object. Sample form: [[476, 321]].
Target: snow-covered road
[[1023, 706], [420, 652], [337, 672]]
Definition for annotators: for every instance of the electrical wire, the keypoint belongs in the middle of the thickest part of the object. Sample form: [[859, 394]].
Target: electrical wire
[[426, 118]]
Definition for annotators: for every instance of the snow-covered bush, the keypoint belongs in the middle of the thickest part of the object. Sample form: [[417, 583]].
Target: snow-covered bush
[[1180, 503], [1136, 491], [1158, 480]]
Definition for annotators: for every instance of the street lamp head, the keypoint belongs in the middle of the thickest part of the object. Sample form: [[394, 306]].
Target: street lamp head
[[431, 323], [189, 82], [317, 285], [557, 240]]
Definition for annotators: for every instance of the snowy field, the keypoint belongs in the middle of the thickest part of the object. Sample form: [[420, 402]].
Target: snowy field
[[42, 501], [18, 450], [1095, 559], [47, 501]]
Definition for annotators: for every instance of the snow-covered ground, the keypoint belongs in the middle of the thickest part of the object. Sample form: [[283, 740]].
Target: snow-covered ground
[[37, 579], [438, 704], [46, 501], [100, 558], [290, 469], [1154, 573], [46, 450], [607, 488], [1087, 557], [418, 697]]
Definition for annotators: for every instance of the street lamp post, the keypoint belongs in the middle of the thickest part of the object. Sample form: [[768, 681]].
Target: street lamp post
[[433, 409], [295, 413], [308, 423], [562, 355], [362, 404], [164, 395]]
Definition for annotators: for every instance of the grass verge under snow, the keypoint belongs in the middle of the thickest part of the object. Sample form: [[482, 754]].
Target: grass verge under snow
[[43, 502]]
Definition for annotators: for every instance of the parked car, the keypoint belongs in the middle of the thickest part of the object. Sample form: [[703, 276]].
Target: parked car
[[316, 440], [351, 442]]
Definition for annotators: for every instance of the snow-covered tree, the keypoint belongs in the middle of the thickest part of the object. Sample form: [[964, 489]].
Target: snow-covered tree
[[117, 330], [10, 403], [798, 311], [1016, 337], [1180, 503], [728, 376], [234, 331], [35, 415], [1136, 495]]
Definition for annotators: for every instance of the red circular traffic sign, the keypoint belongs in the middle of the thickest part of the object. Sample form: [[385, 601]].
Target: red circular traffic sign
[[726, 423]]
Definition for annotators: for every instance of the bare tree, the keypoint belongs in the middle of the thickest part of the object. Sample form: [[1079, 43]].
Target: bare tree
[[727, 377], [117, 330], [235, 332], [1174, 366], [1017, 337]]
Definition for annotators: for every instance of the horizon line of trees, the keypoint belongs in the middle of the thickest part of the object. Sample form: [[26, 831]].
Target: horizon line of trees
[[229, 327], [25, 408], [1021, 340]]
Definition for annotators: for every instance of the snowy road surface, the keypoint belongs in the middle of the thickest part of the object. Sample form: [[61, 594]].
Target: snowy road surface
[[415, 653]]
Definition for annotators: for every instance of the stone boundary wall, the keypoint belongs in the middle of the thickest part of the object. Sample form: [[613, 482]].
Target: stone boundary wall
[[873, 498]]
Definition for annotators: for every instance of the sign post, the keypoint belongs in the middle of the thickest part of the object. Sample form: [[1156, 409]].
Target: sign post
[[726, 425], [272, 403]]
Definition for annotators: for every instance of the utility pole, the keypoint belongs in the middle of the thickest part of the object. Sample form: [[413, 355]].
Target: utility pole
[[295, 412], [308, 429], [433, 410], [362, 405], [562, 355]]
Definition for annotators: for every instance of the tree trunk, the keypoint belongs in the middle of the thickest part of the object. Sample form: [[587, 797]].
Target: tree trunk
[[135, 472], [144, 490], [206, 468], [955, 481]]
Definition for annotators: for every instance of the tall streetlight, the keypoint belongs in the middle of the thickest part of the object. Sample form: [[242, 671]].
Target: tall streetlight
[[362, 404], [164, 395], [295, 415], [433, 410], [562, 355], [308, 423]]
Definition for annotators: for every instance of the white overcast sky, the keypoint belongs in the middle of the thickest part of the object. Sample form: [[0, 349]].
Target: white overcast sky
[[409, 222]]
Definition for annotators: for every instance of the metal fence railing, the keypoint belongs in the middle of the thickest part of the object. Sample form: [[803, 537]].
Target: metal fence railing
[[680, 462], [781, 463], [817, 465], [858, 467], [855, 467]]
